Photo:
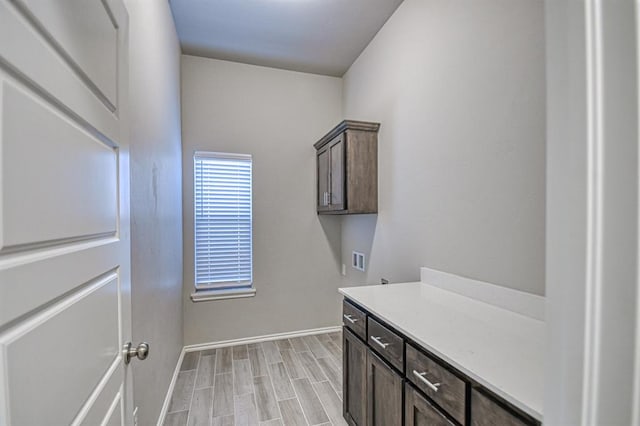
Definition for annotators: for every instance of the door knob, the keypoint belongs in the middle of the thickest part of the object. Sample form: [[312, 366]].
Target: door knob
[[141, 351]]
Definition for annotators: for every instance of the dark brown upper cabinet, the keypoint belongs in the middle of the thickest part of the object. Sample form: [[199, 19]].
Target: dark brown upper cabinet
[[347, 169]]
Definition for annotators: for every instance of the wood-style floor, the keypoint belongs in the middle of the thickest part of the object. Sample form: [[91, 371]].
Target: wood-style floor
[[295, 381]]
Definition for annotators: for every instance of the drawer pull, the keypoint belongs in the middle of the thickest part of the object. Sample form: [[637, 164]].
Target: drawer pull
[[350, 318], [379, 342], [433, 386]]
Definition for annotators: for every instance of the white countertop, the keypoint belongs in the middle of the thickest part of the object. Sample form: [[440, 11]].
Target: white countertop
[[500, 349]]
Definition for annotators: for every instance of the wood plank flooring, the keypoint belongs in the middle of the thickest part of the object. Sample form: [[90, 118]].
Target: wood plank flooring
[[288, 382]]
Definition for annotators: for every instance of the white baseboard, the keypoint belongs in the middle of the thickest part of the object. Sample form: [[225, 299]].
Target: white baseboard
[[172, 384], [257, 339], [520, 302], [234, 342]]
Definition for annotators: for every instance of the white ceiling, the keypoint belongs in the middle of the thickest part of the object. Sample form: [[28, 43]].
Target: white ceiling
[[316, 36]]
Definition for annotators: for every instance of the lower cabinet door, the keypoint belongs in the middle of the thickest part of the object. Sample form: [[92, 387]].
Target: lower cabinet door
[[419, 412], [354, 401], [485, 412], [384, 393]]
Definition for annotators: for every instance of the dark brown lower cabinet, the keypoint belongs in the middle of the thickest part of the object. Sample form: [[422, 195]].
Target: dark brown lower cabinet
[[419, 412], [408, 384], [384, 393], [485, 412], [354, 403]]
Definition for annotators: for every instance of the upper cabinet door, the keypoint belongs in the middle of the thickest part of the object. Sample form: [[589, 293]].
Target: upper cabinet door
[[323, 178], [336, 174]]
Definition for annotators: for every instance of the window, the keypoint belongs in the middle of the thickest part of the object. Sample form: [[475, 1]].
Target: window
[[222, 211]]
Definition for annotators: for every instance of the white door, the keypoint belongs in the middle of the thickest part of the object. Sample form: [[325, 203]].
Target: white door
[[592, 287], [64, 213]]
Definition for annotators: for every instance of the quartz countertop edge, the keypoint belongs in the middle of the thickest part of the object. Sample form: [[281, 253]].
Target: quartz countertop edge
[[501, 350]]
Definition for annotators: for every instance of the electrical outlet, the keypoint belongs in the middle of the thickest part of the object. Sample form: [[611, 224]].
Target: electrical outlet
[[357, 261], [344, 270]]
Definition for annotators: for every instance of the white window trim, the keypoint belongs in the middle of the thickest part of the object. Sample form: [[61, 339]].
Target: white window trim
[[221, 294], [221, 291]]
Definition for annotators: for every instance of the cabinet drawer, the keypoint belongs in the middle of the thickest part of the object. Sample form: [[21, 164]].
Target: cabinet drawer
[[419, 412], [355, 319], [485, 412], [438, 383], [387, 343]]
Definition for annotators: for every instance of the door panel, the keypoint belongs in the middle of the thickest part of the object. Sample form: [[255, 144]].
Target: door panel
[[114, 415], [35, 61], [384, 393], [336, 150], [92, 56], [354, 378], [485, 412], [21, 290], [39, 173], [419, 412], [44, 352], [323, 178], [104, 399], [64, 213]]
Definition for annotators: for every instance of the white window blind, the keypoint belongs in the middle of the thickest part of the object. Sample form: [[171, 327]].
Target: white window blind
[[222, 188]]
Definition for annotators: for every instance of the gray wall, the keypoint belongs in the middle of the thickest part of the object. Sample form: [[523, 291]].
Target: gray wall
[[459, 88], [156, 195], [275, 116]]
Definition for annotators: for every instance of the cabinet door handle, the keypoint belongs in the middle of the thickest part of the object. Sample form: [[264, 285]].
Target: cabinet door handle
[[379, 342], [433, 386], [350, 318]]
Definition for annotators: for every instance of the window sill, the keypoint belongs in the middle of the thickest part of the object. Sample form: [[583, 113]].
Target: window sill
[[234, 293]]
